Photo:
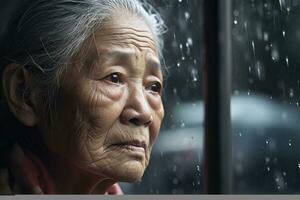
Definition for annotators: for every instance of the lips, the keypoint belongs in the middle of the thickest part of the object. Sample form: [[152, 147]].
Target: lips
[[133, 145]]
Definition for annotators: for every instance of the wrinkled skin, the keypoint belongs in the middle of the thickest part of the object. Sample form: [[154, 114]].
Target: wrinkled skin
[[110, 95]]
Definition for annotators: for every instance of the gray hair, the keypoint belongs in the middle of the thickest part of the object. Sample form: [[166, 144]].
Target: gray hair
[[49, 33]]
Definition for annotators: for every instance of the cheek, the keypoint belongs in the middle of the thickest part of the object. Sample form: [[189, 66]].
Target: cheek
[[158, 115], [88, 113], [100, 94]]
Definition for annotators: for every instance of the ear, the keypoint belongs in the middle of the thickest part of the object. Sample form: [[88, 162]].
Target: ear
[[17, 88]]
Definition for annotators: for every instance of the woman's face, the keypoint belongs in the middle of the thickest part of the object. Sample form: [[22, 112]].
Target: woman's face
[[109, 109]]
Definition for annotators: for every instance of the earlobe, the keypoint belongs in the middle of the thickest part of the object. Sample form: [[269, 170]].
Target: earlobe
[[17, 88]]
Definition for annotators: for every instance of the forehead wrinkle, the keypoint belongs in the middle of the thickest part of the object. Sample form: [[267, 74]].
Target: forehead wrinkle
[[129, 35], [121, 30], [140, 47]]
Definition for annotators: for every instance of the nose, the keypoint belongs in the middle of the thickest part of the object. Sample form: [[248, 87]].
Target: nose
[[137, 110]]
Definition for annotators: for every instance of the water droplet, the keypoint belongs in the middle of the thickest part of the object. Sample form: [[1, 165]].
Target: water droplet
[[267, 141], [182, 125], [287, 61], [198, 168], [178, 64], [284, 173], [283, 33], [298, 165], [240, 134], [190, 41], [268, 169], [180, 46], [267, 160], [174, 91], [183, 58], [290, 143], [281, 2], [274, 53], [179, 1], [266, 36], [260, 70], [187, 15], [235, 21], [291, 92], [253, 47]]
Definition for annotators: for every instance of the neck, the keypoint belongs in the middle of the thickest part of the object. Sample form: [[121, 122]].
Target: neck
[[69, 179]]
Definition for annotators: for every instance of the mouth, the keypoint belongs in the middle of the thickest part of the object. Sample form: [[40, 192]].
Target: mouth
[[133, 145]]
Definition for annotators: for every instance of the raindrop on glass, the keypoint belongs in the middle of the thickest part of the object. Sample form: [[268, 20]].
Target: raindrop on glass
[[190, 41], [291, 92], [180, 46], [266, 36], [187, 15], [284, 173], [274, 53], [198, 168], [253, 47], [182, 125], [267, 160], [267, 141], [290, 143]]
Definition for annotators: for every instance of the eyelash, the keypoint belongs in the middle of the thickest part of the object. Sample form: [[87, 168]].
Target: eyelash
[[158, 88], [114, 78]]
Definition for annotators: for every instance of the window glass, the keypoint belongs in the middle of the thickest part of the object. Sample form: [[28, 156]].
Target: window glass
[[175, 161], [265, 96]]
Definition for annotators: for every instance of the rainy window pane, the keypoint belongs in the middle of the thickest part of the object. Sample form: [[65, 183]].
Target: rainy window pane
[[266, 94], [175, 161]]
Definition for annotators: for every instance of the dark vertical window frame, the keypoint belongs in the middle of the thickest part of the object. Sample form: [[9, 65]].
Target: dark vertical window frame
[[217, 93]]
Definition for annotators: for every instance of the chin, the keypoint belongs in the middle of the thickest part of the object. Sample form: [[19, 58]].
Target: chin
[[131, 171]]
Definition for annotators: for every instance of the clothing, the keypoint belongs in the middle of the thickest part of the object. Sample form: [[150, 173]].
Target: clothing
[[27, 175]]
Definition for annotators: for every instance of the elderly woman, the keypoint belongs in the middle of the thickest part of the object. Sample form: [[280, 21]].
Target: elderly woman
[[81, 85]]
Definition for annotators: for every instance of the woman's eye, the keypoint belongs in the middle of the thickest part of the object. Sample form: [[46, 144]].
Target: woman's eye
[[114, 78], [155, 87]]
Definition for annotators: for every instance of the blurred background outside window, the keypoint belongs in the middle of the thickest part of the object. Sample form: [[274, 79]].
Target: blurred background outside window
[[264, 104]]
